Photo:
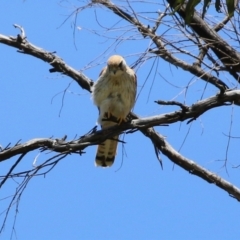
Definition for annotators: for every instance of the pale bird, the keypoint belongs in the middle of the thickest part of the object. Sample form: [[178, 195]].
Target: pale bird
[[114, 94]]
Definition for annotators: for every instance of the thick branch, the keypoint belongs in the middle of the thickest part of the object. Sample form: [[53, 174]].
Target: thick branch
[[192, 112], [20, 42], [228, 55], [204, 48], [96, 137], [189, 165], [158, 140]]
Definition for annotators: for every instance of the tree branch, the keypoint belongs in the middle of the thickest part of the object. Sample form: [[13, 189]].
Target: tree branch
[[228, 55], [191, 166], [95, 137], [161, 50]]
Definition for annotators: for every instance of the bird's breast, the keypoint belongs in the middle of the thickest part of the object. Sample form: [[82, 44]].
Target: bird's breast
[[115, 93]]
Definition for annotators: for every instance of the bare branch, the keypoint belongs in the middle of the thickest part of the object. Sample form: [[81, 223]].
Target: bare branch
[[204, 48], [228, 55], [20, 42], [193, 111], [182, 106], [158, 140], [161, 50], [95, 137], [191, 166], [12, 168]]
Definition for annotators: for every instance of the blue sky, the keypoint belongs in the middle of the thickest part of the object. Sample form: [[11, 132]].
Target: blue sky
[[134, 199]]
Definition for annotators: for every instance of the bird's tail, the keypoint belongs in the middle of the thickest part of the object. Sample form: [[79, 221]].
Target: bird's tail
[[106, 152]]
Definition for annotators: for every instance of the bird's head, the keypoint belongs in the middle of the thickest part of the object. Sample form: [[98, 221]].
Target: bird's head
[[116, 65]]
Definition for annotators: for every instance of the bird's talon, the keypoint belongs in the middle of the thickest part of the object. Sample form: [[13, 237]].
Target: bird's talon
[[120, 120]]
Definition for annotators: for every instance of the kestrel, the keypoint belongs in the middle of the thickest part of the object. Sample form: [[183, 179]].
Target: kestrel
[[114, 94]]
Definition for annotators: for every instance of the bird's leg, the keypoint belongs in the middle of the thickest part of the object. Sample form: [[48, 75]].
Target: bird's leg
[[121, 120], [108, 115]]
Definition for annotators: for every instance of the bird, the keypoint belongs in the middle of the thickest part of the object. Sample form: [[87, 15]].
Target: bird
[[114, 94]]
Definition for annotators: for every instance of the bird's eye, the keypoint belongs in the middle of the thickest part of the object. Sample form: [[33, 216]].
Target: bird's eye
[[120, 64]]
